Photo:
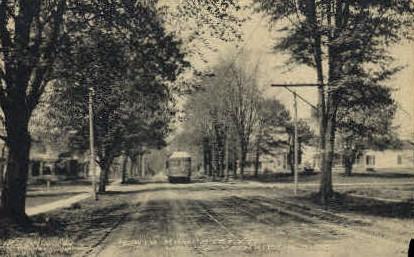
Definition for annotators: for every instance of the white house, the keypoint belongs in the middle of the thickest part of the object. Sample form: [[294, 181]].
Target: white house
[[371, 160], [395, 159]]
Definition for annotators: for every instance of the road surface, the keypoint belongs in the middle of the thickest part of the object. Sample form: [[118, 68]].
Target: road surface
[[213, 219]]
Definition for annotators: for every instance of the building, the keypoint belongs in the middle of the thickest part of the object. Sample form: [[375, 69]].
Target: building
[[372, 160], [50, 162], [391, 159]]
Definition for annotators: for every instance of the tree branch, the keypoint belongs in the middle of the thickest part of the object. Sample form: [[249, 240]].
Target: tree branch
[[39, 83]]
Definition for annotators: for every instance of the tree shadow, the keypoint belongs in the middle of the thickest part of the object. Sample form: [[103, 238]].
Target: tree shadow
[[342, 202], [76, 221], [283, 177], [52, 194], [391, 175]]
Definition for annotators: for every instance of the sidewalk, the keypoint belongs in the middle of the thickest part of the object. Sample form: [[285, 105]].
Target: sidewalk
[[64, 203]]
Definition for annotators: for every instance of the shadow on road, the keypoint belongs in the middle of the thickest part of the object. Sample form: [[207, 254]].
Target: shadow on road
[[283, 177], [369, 206], [390, 175], [47, 194]]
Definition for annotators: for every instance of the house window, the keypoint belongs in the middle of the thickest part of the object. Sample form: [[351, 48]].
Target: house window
[[371, 160], [399, 159]]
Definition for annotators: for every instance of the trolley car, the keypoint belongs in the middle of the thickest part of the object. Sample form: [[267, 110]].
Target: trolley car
[[179, 167]]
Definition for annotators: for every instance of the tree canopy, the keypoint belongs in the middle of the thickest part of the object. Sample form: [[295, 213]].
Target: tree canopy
[[347, 43], [124, 54]]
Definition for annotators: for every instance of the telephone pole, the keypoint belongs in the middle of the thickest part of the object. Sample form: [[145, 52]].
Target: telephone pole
[[92, 168], [296, 141]]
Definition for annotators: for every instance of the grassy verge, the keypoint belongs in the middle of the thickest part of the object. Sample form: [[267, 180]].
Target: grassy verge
[[347, 203], [67, 232], [39, 199]]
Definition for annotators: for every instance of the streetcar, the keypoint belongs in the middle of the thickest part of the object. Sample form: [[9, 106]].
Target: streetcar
[[179, 167]]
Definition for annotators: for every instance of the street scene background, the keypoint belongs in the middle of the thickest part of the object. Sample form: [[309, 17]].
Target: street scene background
[[206, 128]]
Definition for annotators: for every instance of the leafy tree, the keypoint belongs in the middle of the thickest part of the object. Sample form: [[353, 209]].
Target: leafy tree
[[243, 104], [348, 38], [207, 115], [305, 136], [123, 52], [30, 34], [229, 101], [273, 117], [203, 26], [366, 125]]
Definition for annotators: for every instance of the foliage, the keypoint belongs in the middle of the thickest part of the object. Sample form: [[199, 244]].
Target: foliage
[[123, 52], [274, 118], [204, 26], [30, 35], [305, 136], [365, 125], [350, 40]]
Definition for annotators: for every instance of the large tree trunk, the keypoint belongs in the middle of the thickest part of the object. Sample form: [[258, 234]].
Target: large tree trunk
[[328, 124], [13, 196], [104, 176], [3, 165], [326, 188]]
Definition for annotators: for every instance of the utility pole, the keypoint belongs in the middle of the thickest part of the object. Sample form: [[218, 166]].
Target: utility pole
[[296, 143], [92, 168], [226, 155]]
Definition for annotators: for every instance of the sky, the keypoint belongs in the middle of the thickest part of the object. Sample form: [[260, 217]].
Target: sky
[[259, 41]]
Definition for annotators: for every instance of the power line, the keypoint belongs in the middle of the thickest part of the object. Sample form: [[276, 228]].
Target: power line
[[287, 86]]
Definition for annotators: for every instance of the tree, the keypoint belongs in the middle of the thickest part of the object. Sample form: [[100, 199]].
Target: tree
[[243, 104], [124, 53], [350, 39], [305, 135], [207, 115], [273, 117], [363, 125], [230, 100], [30, 34], [203, 26]]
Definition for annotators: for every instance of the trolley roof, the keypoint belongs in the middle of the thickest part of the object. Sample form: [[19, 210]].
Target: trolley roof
[[179, 155]]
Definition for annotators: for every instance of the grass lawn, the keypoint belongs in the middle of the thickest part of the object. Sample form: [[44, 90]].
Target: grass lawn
[[65, 232], [383, 176], [38, 195]]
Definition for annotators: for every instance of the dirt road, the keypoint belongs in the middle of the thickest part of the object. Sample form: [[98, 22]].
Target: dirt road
[[211, 219]]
